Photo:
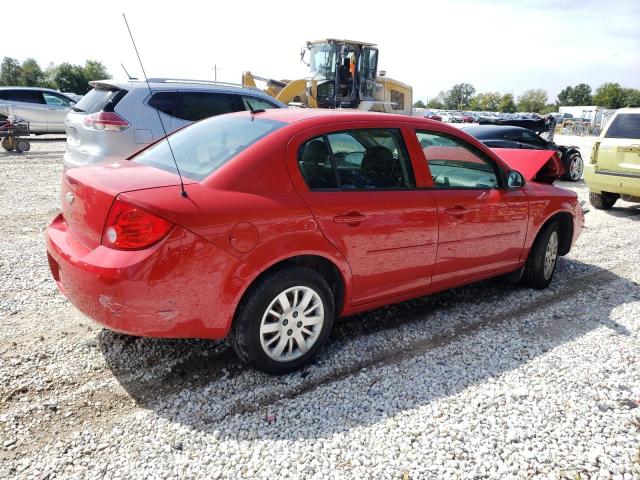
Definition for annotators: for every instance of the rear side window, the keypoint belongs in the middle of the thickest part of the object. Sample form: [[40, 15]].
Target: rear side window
[[315, 164], [256, 103], [202, 148], [363, 159], [99, 99], [624, 125], [454, 165], [195, 106], [165, 102], [26, 96]]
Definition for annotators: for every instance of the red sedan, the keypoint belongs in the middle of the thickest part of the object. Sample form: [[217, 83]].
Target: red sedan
[[291, 218]]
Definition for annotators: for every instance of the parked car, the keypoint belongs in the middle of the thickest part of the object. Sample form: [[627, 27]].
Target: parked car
[[74, 96], [433, 116], [291, 218], [116, 119], [496, 136], [614, 171], [43, 108]]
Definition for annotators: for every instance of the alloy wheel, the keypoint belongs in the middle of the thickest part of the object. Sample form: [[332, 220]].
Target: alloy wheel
[[576, 166]]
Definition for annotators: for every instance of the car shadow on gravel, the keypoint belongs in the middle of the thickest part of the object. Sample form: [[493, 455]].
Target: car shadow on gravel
[[202, 385], [631, 212]]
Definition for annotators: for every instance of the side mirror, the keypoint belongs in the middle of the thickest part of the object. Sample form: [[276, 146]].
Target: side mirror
[[514, 179]]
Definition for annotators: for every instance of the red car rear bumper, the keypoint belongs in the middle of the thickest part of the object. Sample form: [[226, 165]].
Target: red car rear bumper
[[172, 289]]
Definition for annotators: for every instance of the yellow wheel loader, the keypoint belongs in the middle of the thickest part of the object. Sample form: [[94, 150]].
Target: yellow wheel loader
[[343, 74]]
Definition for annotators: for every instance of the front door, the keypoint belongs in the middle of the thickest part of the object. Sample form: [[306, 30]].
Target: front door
[[360, 186], [482, 227]]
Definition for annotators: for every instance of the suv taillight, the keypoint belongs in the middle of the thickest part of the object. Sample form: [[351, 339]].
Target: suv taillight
[[131, 228], [106, 121]]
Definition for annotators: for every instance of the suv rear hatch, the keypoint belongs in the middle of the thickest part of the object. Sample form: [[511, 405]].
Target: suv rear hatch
[[619, 149], [91, 120], [89, 192]]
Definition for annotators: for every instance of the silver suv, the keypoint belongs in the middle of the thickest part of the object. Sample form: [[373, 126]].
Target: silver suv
[[43, 108], [116, 119]]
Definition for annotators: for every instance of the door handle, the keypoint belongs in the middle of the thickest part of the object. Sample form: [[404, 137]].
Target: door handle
[[351, 218], [457, 211]]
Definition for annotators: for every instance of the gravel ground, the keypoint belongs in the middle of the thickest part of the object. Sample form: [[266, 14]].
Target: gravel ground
[[485, 381]]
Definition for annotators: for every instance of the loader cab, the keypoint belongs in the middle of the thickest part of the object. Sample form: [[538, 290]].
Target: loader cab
[[345, 72]]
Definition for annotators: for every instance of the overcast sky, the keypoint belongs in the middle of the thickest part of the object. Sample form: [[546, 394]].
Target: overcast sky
[[508, 46]]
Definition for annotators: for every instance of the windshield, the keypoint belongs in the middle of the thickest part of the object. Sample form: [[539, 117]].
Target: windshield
[[203, 147], [323, 60]]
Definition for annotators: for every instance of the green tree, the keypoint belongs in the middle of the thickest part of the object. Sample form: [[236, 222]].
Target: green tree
[[549, 108], [507, 104], [459, 96], [581, 95], [438, 101], [609, 95], [94, 70], [631, 97], [419, 104], [564, 97], [490, 101], [31, 74], [532, 100], [70, 78], [474, 103], [10, 72]]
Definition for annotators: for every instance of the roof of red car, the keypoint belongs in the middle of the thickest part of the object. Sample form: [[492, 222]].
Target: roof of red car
[[293, 115]]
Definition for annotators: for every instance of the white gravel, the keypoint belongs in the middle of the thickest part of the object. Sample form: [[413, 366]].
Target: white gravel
[[486, 381]]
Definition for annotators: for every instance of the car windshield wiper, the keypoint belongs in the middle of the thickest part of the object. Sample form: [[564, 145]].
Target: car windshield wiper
[[76, 109]]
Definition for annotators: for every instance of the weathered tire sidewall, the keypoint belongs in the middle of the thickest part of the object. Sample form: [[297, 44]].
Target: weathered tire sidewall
[[255, 304]]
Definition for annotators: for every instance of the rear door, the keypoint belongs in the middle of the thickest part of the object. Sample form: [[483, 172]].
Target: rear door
[[29, 105], [619, 150], [359, 183], [196, 105], [482, 227]]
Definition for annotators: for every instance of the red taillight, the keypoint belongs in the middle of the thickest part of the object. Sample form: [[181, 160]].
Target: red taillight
[[106, 121], [131, 228]]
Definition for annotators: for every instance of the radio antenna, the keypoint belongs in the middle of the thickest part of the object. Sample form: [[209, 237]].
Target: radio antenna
[[183, 192], [128, 76]]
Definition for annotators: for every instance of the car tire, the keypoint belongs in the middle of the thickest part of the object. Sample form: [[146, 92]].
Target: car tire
[[8, 144], [604, 200], [23, 146], [575, 168], [543, 257], [267, 335]]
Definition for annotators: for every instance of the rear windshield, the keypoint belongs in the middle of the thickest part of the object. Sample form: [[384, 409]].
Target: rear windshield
[[625, 125], [95, 100], [200, 149]]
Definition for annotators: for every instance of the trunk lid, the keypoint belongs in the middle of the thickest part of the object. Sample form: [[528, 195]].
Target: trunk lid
[[542, 166], [88, 193]]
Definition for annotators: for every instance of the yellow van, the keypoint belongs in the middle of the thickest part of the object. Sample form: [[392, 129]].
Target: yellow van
[[614, 170]]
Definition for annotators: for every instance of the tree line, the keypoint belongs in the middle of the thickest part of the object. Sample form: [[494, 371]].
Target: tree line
[[65, 77], [463, 96]]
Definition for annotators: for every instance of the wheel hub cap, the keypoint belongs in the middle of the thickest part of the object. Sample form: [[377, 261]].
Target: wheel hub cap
[[551, 255], [291, 323]]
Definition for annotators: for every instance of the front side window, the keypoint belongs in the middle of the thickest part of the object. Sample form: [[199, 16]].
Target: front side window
[[53, 99], [202, 148], [453, 164], [363, 159], [323, 60], [195, 106]]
